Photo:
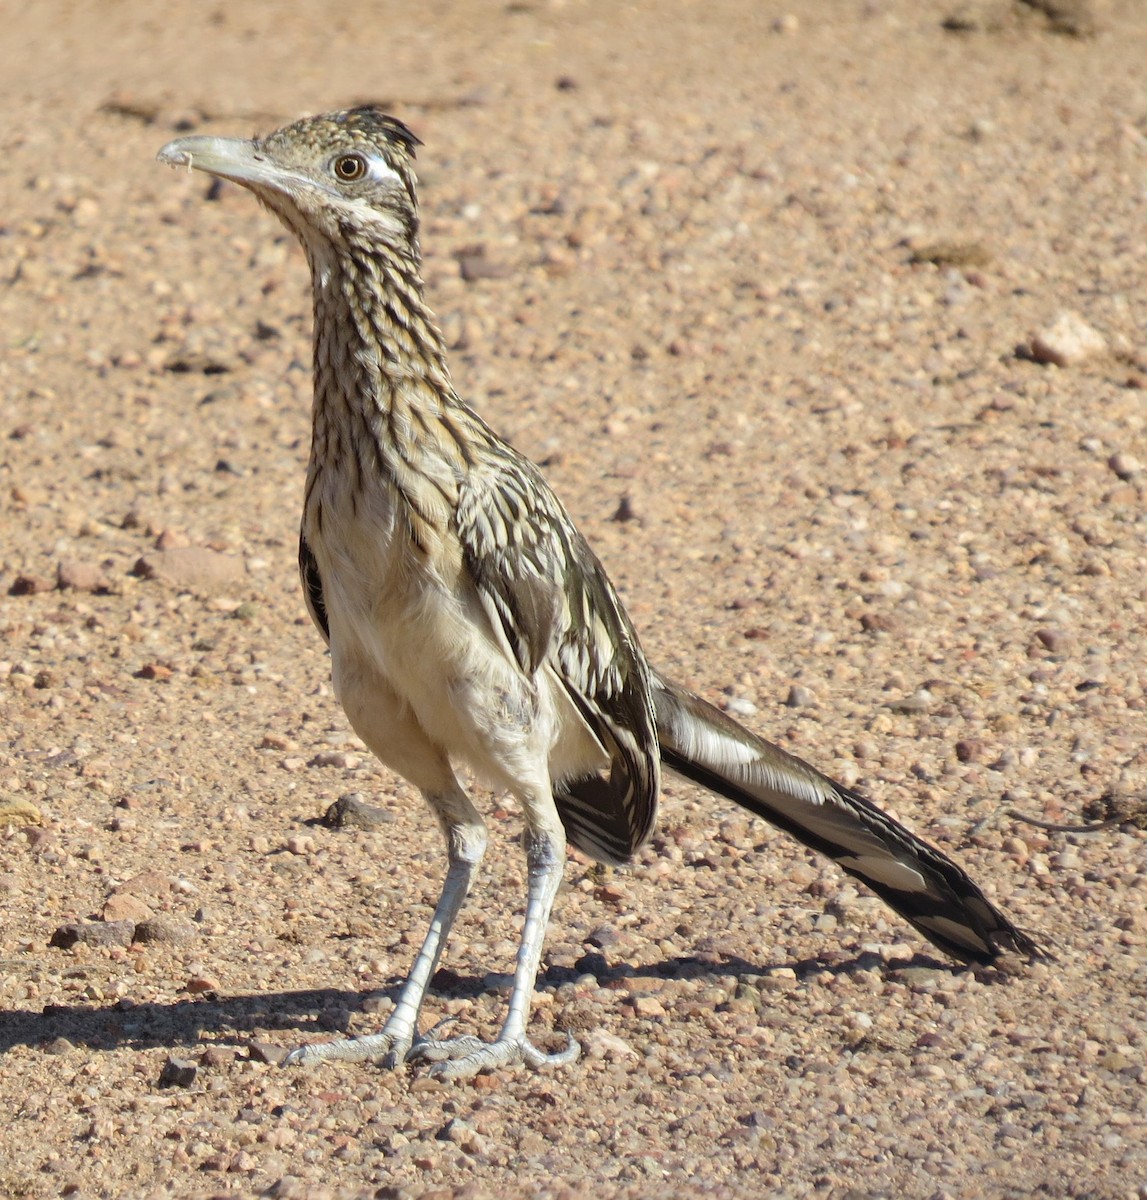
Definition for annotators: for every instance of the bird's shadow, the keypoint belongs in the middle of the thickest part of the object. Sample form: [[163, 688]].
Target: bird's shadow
[[239, 1019]]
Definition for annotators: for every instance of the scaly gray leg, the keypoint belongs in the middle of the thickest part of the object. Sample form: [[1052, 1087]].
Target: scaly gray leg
[[464, 1057], [465, 846]]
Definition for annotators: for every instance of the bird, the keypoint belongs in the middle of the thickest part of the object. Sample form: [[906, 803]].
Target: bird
[[470, 625]]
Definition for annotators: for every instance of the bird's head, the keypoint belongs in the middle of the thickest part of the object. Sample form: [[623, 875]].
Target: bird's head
[[345, 178]]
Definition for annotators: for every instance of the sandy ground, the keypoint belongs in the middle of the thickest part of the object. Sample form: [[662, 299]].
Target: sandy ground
[[758, 286]]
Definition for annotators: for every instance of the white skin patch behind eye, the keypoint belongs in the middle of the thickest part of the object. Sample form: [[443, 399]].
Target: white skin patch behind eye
[[378, 170]]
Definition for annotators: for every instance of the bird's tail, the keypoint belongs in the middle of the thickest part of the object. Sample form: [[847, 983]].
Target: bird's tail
[[925, 886]]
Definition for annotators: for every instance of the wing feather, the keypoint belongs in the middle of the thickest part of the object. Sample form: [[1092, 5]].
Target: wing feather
[[557, 609]]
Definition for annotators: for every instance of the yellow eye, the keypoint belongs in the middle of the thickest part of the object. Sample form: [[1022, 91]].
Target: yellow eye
[[349, 167]]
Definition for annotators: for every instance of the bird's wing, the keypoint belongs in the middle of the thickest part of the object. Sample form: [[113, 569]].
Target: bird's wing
[[313, 588], [548, 594]]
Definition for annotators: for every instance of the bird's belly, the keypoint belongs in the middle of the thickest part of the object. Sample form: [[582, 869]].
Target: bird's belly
[[410, 651], [435, 672]]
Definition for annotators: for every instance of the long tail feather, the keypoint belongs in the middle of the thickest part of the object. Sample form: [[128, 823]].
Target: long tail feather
[[926, 887]]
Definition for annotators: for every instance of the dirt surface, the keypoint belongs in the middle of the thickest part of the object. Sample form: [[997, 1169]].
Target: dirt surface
[[767, 292]]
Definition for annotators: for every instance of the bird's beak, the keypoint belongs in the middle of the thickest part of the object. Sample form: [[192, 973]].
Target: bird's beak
[[235, 159]]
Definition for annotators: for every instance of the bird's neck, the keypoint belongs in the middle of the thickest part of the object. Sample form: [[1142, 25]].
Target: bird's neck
[[386, 417], [375, 336]]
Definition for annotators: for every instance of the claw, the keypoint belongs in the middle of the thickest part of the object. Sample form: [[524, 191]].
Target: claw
[[463, 1057], [386, 1049]]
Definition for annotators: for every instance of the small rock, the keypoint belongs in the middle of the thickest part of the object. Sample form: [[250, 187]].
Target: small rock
[[1126, 466], [1069, 339], [59, 1045], [335, 758], [217, 1056], [624, 511], [1057, 641], [970, 750], [170, 931], [197, 985], [80, 577], [178, 1072], [600, 1043], [191, 566], [918, 978], [146, 883], [473, 265], [740, 707], [277, 741], [351, 811], [93, 933], [172, 539], [264, 1052], [878, 622], [648, 1006], [457, 1131], [154, 671], [799, 697], [17, 811], [122, 906], [611, 893], [30, 585], [953, 254]]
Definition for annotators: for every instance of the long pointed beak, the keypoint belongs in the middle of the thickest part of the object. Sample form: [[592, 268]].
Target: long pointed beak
[[235, 159]]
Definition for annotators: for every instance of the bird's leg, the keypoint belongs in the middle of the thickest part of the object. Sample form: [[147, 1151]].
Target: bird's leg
[[465, 846], [464, 1057]]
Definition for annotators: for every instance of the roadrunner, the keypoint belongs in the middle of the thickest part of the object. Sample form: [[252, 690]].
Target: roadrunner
[[469, 622]]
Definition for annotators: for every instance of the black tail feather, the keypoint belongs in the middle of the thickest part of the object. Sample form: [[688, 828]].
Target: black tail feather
[[928, 889]]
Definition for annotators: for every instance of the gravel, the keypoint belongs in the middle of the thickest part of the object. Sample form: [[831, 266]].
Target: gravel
[[750, 285]]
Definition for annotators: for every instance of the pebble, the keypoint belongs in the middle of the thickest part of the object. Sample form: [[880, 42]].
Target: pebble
[[335, 758], [277, 741], [123, 906], [178, 1072], [93, 933], [799, 697], [474, 265], [197, 985], [15, 810], [265, 1052], [1057, 641], [191, 567], [30, 585], [81, 577], [172, 931], [1068, 339], [146, 883], [648, 1006], [971, 750], [600, 1043], [352, 811], [1126, 466]]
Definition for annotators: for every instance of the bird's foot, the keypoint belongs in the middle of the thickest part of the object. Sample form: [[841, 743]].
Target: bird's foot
[[387, 1049], [463, 1057]]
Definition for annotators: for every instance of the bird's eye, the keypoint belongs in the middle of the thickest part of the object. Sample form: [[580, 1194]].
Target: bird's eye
[[349, 167]]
